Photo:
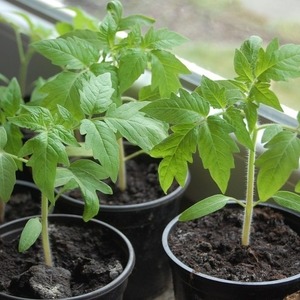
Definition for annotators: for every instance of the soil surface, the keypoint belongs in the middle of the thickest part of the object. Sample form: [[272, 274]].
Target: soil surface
[[25, 201], [211, 245], [142, 185], [85, 259]]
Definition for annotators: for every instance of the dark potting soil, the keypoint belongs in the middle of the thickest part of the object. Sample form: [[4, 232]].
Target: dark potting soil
[[211, 245], [142, 186], [84, 257], [22, 204]]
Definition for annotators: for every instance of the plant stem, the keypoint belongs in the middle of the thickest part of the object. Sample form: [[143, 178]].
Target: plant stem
[[45, 233], [122, 183], [248, 212]]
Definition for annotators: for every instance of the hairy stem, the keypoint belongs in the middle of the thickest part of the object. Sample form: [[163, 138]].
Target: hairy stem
[[45, 232], [122, 183], [248, 212]]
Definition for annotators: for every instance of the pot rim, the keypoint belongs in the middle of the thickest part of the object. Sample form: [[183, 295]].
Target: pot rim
[[170, 226], [103, 290]]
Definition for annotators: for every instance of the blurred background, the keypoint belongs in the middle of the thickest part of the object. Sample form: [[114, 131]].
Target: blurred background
[[216, 28]]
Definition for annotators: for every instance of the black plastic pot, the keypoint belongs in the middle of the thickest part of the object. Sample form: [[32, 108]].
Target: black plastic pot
[[115, 289], [189, 285], [143, 224], [25, 201]]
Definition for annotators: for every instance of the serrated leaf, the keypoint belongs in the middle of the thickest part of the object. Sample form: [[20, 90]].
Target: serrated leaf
[[270, 132], [261, 93], [70, 52], [88, 175], [64, 90], [133, 125], [235, 118], [162, 39], [46, 152], [251, 48], [243, 67], [204, 207], [36, 118], [288, 199], [102, 140], [165, 72], [266, 59], [213, 93], [106, 67], [96, 93], [287, 64], [176, 150], [277, 163], [216, 148], [11, 98], [30, 234], [8, 168], [132, 64], [179, 109]]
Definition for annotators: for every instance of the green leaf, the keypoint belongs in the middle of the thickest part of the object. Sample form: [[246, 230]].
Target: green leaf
[[30, 234], [179, 109], [216, 148], [82, 20], [270, 132], [88, 175], [165, 72], [63, 89], [243, 67], [261, 93], [162, 39], [102, 140], [204, 207], [266, 60], [176, 150], [135, 20], [236, 119], [277, 163], [251, 114], [71, 52], [8, 168], [11, 98], [36, 118], [288, 199], [251, 48], [132, 64], [96, 93], [133, 125], [287, 64], [297, 187], [46, 150], [213, 93]]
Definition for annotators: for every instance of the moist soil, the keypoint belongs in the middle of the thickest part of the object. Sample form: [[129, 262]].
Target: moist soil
[[142, 185], [211, 245], [85, 259], [25, 201]]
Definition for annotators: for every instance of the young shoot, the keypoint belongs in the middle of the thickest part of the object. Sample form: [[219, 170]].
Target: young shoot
[[221, 116]]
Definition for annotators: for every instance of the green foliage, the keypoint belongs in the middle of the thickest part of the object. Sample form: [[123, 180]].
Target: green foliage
[[219, 115], [84, 107], [30, 234]]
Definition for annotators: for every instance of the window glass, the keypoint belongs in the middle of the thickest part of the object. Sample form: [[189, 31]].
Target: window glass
[[216, 28]]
